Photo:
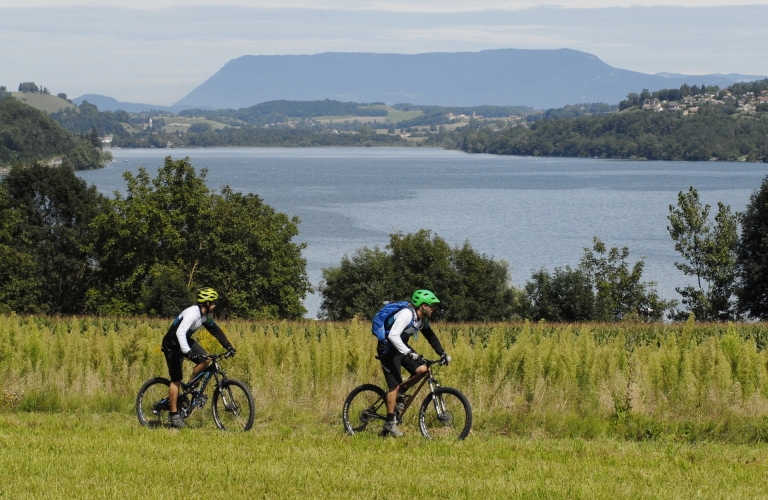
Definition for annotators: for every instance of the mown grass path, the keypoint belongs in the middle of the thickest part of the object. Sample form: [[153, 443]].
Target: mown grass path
[[92, 455]]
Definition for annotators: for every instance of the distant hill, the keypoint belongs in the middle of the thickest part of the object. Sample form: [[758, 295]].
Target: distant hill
[[538, 78], [44, 102], [105, 103]]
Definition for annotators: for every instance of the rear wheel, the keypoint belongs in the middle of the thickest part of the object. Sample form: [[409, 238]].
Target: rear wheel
[[365, 410], [152, 405], [445, 414], [233, 407]]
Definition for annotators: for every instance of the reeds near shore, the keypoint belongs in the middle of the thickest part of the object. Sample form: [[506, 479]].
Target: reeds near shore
[[639, 381]]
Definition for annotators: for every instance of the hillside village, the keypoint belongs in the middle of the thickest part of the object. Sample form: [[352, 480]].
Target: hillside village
[[747, 104]]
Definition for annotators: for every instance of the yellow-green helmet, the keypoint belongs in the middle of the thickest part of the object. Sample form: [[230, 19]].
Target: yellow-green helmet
[[207, 294], [424, 297]]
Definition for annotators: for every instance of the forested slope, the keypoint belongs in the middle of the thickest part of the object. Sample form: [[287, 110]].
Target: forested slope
[[28, 134], [712, 134]]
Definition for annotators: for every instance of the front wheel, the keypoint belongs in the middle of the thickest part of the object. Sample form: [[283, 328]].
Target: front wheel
[[152, 405], [445, 414], [365, 410], [233, 407]]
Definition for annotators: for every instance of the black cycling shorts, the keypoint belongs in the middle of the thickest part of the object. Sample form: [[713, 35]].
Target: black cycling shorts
[[392, 362], [175, 359]]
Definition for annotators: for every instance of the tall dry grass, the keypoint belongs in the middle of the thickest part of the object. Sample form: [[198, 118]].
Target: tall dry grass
[[636, 380]]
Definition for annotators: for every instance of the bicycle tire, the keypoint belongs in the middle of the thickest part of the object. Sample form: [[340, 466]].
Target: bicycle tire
[[151, 410], [365, 410], [456, 419], [233, 407]]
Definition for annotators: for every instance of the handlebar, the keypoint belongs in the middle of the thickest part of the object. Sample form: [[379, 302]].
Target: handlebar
[[220, 355], [430, 362]]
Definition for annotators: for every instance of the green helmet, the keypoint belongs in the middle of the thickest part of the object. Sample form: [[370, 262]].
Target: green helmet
[[206, 295], [424, 297]]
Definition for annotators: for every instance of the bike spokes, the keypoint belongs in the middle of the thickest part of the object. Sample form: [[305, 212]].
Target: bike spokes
[[152, 405], [364, 410], [445, 414], [233, 407]]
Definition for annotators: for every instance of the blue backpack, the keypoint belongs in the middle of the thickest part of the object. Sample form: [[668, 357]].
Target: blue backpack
[[382, 322]]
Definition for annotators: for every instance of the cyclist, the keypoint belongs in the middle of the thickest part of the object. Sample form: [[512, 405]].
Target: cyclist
[[178, 343], [395, 352]]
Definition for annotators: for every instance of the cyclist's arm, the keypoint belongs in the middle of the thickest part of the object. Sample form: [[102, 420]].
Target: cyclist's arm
[[181, 332], [217, 332], [403, 318], [433, 340]]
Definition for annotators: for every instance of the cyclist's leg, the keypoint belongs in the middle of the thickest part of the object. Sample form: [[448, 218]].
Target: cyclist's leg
[[390, 364], [174, 359], [415, 369], [198, 349]]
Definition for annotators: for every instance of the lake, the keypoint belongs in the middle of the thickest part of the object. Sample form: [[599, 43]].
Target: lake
[[532, 212]]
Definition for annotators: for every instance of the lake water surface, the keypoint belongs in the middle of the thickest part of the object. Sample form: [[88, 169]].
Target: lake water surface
[[532, 212]]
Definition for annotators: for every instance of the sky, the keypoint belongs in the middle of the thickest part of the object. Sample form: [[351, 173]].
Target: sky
[[157, 51]]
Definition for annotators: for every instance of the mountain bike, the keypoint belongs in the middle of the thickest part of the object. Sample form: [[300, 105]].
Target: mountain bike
[[444, 413], [232, 403]]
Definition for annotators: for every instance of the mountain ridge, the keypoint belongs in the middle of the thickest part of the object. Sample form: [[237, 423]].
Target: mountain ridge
[[538, 78]]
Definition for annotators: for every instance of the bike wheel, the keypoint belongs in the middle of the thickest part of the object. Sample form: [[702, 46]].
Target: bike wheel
[[445, 414], [233, 407], [365, 410], [152, 405]]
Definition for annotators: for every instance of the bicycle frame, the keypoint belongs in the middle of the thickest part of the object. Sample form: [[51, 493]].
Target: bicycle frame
[[202, 378], [426, 378]]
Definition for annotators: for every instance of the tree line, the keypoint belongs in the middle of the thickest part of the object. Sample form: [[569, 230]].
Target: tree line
[[281, 111], [714, 133], [67, 249], [730, 272]]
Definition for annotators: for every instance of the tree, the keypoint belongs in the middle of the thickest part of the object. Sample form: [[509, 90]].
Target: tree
[[471, 286], [619, 293], [19, 290], [601, 288], [564, 295], [752, 256], [171, 234], [709, 250], [28, 87], [93, 137], [50, 243]]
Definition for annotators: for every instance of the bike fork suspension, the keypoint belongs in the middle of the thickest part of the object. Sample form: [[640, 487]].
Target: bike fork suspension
[[437, 400]]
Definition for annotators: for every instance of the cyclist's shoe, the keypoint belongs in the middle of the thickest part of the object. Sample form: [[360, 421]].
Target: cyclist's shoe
[[391, 429], [176, 421]]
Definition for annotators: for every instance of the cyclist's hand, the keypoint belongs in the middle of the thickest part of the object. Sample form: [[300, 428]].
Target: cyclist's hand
[[413, 355], [445, 359], [230, 352], [196, 358]]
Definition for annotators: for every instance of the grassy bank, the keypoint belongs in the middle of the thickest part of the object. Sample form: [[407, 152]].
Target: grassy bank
[[680, 383], [107, 456]]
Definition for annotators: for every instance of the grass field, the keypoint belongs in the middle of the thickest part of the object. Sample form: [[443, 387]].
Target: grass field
[[44, 102], [173, 123], [76, 455], [349, 118], [560, 411], [395, 115], [687, 382]]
